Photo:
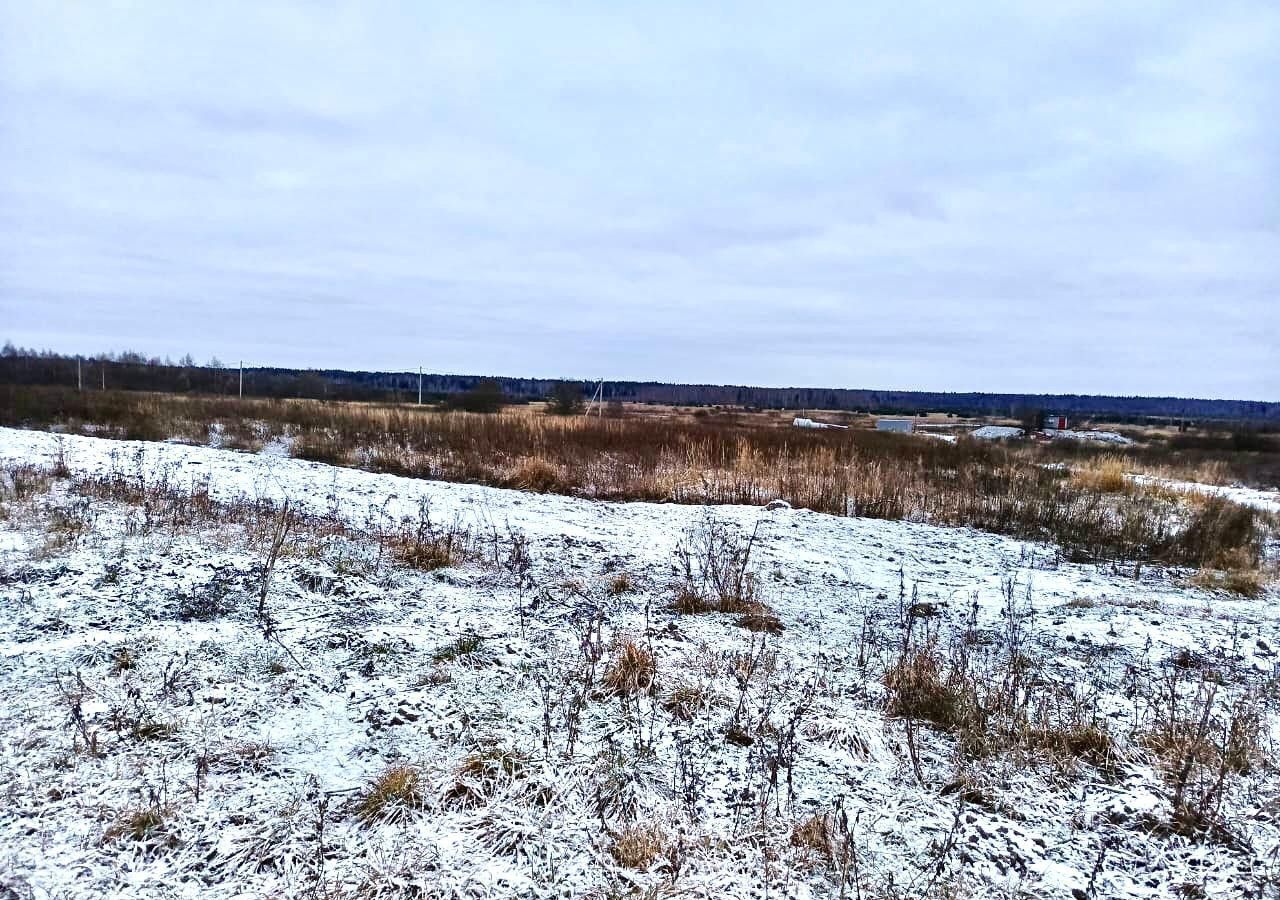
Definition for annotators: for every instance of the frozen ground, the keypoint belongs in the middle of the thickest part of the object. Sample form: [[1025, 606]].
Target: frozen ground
[[1246, 496], [156, 744]]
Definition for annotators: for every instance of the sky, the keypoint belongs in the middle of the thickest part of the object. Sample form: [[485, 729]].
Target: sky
[[998, 196]]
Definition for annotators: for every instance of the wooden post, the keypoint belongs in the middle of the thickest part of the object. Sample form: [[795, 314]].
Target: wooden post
[[419, 385], [242, 379], [79, 376]]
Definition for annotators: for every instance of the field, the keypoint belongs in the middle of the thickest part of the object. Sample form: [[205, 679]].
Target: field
[[336, 650]]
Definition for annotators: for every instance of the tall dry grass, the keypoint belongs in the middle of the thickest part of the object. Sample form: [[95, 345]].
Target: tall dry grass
[[1094, 514]]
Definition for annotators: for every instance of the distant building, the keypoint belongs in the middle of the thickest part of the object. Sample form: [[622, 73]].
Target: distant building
[[1055, 423], [901, 425]]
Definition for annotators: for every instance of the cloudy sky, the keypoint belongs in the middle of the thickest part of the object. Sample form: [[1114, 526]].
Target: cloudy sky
[[957, 196]]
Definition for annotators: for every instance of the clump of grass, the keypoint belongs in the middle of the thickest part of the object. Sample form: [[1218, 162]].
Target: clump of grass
[[1103, 474], [145, 824], [428, 545], [621, 583], [391, 795], [122, 660], [686, 700], [638, 846], [536, 474], [482, 774], [464, 646], [632, 670], [922, 689], [816, 834]]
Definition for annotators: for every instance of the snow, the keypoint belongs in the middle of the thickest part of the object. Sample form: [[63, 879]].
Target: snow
[[996, 432], [1104, 437], [1268, 501], [368, 692]]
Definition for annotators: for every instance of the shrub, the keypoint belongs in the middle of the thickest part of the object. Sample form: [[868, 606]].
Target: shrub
[[485, 397], [565, 398]]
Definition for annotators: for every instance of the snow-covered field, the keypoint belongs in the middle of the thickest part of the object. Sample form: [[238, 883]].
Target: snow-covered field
[[157, 744]]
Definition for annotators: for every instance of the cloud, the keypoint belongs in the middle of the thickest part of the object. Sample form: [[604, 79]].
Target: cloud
[[997, 196]]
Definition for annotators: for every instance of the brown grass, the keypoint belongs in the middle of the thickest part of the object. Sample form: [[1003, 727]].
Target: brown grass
[[638, 846], [632, 669], [394, 792], [710, 459], [142, 824], [481, 774]]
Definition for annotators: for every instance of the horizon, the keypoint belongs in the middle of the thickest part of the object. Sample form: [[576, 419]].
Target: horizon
[[234, 365], [1012, 199]]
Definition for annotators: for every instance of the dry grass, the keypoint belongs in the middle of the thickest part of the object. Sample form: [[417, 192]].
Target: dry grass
[[638, 846], [922, 688], [395, 792], [632, 670], [621, 584], [745, 459], [687, 700], [145, 824], [1103, 474], [817, 834], [482, 774]]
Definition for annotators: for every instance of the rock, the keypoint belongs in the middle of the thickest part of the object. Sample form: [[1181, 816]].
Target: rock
[[777, 504]]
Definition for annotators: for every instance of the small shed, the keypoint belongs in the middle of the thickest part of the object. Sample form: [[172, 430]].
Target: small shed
[[1055, 423], [899, 425]]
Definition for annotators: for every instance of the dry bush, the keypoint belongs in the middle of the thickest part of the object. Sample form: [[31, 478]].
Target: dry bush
[[1201, 742], [714, 561], [427, 545], [632, 669], [396, 791], [638, 846], [482, 774], [621, 584]]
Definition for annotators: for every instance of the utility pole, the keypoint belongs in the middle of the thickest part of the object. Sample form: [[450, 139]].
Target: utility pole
[[79, 377], [104, 374], [419, 385], [242, 379]]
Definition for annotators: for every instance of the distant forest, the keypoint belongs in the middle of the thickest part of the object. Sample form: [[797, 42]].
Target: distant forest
[[135, 372]]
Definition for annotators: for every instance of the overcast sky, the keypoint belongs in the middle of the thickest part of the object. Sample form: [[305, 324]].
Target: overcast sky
[[955, 196]]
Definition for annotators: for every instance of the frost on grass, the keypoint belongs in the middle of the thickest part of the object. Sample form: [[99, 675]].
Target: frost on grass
[[430, 690]]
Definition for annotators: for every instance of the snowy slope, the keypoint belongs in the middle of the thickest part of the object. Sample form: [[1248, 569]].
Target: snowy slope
[[267, 746]]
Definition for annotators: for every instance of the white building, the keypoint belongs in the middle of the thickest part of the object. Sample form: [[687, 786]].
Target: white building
[[901, 425]]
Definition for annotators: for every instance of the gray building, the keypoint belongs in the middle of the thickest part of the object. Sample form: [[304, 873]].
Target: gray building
[[902, 425]]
